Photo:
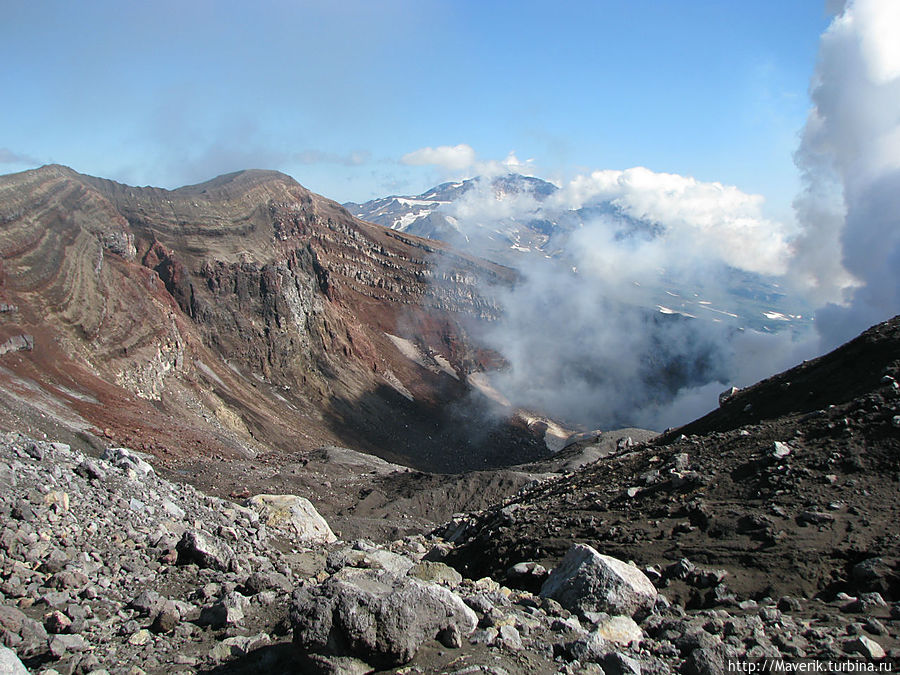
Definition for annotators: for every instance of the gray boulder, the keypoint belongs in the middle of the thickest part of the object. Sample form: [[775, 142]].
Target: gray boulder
[[379, 617], [877, 574], [319, 664], [589, 649], [18, 630], [587, 581], [60, 645], [167, 618], [374, 558], [705, 661], [259, 582], [865, 646], [91, 470], [617, 663], [147, 603], [126, 459]]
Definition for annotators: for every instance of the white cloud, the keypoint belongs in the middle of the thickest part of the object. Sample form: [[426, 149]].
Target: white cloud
[[708, 221], [481, 206], [875, 22], [587, 344], [849, 252], [449, 157], [462, 159], [511, 164], [578, 348]]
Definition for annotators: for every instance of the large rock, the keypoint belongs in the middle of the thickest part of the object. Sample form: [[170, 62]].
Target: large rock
[[620, 630], [127, 459], [881, 575], [226, 612], [11, 619], [18, 630], [147, 603], [587, 581], [198, 548], [373, 558], [258, 582], [865, 646], [320, 664], [10, 663], [436, 573], [376, 616], [167, 618], [294, 516], [60, 645], [705, 661], [591, 648]]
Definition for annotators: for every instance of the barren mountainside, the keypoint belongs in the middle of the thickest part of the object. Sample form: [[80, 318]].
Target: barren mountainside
[[237, 315]]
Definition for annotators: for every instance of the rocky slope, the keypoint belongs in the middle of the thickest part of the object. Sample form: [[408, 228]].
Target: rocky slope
[[790, 488], [88, 551], [237, 316]]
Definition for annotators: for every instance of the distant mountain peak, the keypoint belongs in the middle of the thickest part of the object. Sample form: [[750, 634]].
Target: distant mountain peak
[[431, 213], [444, 212]]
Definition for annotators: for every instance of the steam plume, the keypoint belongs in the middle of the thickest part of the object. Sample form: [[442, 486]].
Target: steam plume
[[849, 254], [584, 340]]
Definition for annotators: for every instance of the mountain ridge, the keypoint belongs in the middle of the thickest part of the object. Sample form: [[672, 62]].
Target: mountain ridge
[[247, 276]]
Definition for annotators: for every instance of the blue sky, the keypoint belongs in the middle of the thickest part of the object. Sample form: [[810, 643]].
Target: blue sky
[[335, 94]]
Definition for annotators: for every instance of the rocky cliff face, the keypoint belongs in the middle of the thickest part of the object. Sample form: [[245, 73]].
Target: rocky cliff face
[[236, 315]]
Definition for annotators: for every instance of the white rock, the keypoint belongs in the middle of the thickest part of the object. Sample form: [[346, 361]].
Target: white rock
[[619, 629], [294, 516], [510, 637], [173, 509], [587, 581], [780, 450], [10, 663], [867, 647]]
